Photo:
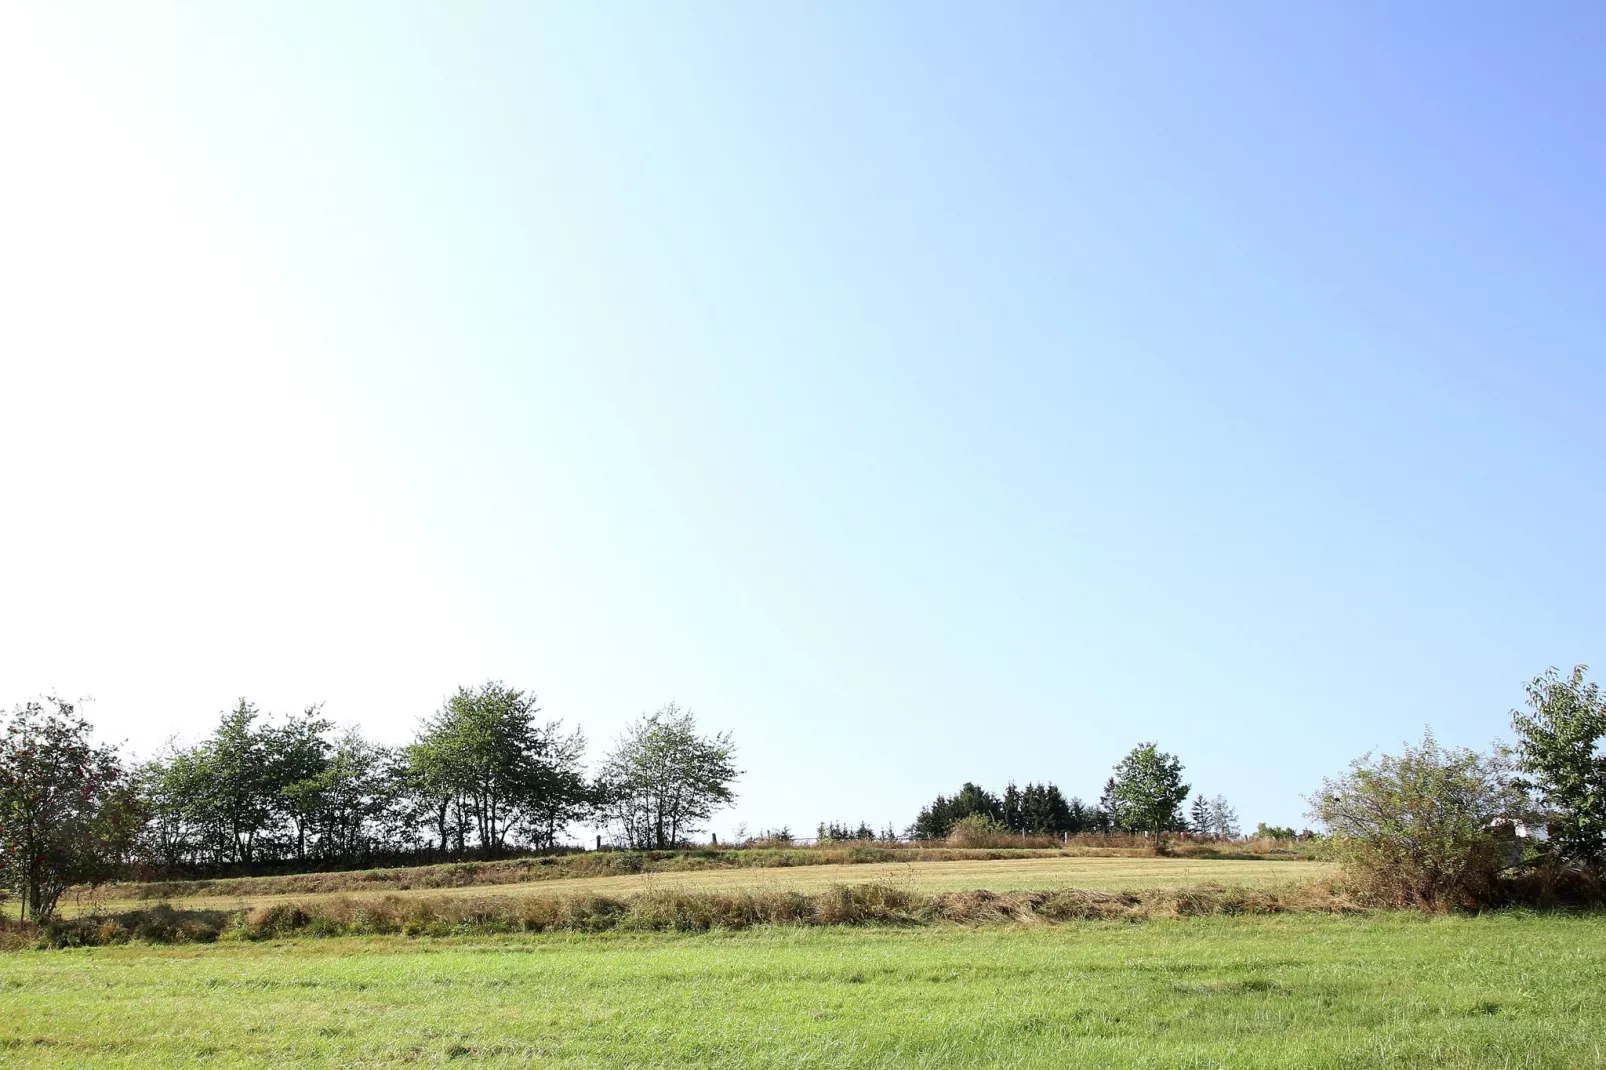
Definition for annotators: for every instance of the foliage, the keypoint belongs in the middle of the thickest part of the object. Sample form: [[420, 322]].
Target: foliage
[[1035, 810], [1559, 750], [1199, 817], [67, 814], [1429, 827], [481, 776], [1264, 831], [936, 820], [978, 830], [780, 836], [1041, 810], [662, 779], [485, 757], [837, 832], [1147, 790], [1223, 819]]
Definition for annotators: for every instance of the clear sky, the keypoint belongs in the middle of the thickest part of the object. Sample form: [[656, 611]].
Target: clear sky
[[922, 392]]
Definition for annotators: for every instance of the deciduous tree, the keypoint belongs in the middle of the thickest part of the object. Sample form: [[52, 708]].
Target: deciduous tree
[[67, 811], [1147, 790], [1559, 751], [663, 779]]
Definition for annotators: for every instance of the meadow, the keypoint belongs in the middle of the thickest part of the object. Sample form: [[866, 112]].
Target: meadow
[[1005, 872], [1292, 990]]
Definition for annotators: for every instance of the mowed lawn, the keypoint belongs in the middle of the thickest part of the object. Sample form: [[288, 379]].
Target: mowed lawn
[[1281, 991], [999, 875]]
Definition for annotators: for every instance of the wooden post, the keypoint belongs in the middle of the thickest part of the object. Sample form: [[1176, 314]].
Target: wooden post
[[599, 841]]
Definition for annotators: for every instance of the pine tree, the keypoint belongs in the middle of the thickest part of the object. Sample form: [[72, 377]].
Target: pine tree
[[1014, 811], [1201, 823], [1055, 811], [1078, 818], [1108, 817]]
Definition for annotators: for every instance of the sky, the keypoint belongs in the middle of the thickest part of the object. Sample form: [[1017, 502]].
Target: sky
[[920, 392]]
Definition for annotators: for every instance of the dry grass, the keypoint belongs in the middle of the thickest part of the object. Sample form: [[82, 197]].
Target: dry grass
[[675, 910]]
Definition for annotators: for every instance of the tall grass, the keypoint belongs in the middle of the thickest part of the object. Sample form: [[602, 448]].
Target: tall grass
[[668, 910]]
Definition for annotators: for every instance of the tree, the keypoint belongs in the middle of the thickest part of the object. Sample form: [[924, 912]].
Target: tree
[[841, 832], [429, 781], [1147, 790], [484, 757], [1033, 810], [255, 790], [936, 821], [1223, 819], [1429, 827], [1199, 822], [164, 794], [1044, 811], [67, 811], [297, 756], [350, 797], [1014, 819], [1108, 816], [565, 795], [1559, 750], [1079, 817], [663, 780], [230, 783]]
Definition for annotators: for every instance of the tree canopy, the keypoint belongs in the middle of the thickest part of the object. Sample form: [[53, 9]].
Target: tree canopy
[[662, 780], [1147, 791], [67, 814], [1559, 751]]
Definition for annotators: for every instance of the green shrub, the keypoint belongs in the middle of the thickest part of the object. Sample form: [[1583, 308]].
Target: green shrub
[[979, 830], [1428, 828]]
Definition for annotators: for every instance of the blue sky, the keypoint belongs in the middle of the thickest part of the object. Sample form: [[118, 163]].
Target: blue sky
[[921, 392]]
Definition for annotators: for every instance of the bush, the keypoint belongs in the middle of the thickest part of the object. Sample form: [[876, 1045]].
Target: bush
[[979, 830], [1429, 828]]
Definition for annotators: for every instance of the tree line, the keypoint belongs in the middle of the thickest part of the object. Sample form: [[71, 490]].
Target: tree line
[[1144, 795], [482, 777], [1432, 826]]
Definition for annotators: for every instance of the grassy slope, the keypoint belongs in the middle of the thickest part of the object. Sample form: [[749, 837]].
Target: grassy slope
[[1005, 874], [632, 863], [1291, 991]]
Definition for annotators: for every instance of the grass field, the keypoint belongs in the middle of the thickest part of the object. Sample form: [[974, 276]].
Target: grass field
[[1104, 874], [1287, 991]]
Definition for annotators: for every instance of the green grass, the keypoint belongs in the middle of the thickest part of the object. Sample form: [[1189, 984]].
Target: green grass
[[1289, 991]]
